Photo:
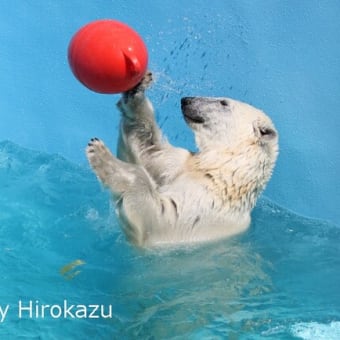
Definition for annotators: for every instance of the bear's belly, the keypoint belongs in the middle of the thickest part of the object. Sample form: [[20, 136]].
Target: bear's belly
[[204, 230]]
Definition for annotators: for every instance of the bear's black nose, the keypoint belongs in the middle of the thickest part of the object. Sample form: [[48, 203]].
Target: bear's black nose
[[190, 110], [187, 101]]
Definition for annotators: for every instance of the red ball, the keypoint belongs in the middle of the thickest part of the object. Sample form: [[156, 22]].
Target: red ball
[[108, 56]]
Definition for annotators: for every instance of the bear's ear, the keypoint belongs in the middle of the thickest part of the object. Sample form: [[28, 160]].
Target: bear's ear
[[264, 131]]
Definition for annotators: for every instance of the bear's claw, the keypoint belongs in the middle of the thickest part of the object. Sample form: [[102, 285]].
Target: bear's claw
[[141, 86]]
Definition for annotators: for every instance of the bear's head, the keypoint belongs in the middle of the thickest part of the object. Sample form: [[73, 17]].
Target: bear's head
[[233, 136], [227, 122]]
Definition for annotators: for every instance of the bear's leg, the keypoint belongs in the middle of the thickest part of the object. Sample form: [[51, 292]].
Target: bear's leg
[[139, 131], [117, 175], [140, 206]]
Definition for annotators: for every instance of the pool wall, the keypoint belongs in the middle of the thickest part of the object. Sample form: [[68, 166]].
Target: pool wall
[[282, 57]]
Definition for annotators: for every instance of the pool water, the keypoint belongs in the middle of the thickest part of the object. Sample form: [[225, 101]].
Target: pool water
[[60, 243]]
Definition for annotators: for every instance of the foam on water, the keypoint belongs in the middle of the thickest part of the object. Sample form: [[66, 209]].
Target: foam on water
[[316, 331], [278, 280]]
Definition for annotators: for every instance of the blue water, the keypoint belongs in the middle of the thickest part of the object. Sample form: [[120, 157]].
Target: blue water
[[279, 280]]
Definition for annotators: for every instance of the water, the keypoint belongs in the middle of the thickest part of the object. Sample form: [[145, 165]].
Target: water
[[279, 280]]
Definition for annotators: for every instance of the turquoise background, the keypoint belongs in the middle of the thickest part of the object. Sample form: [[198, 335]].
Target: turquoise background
[[281, 56]]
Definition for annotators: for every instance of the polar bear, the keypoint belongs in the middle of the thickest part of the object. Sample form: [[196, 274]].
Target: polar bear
[[167, 195]]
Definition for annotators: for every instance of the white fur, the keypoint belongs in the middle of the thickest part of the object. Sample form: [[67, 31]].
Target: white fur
[[168, 195]]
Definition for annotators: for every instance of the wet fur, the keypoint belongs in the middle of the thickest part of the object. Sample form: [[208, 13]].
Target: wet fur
[[168, 195]]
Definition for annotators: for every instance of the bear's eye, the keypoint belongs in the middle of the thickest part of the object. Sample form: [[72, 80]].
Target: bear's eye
[[224, 102], [267, 132]]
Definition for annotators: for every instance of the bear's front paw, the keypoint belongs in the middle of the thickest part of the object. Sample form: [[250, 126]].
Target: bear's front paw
[[145, 82], [140, 87], [97, 153]]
